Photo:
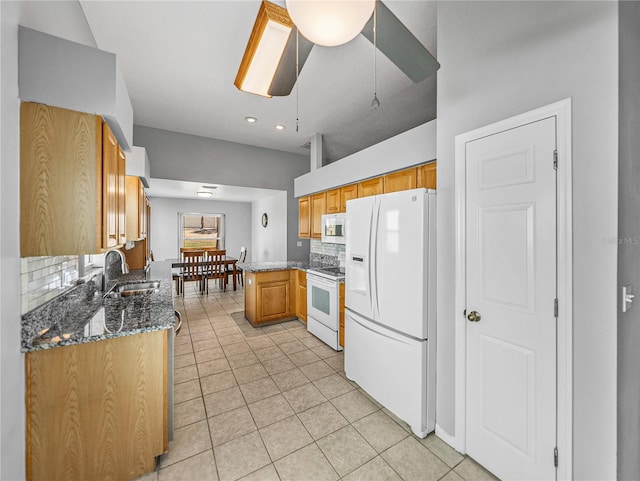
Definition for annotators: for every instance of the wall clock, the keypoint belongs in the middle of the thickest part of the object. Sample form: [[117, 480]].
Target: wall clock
[[265, 219]]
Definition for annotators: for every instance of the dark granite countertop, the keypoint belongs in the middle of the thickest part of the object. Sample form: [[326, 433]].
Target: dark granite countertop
[[279, 265], [82, 315]]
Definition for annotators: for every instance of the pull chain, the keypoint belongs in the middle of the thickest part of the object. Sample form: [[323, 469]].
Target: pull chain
[[375, 103], [297, 83]]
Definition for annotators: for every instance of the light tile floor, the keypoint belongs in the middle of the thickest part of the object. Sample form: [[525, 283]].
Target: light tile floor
[[274, 404]]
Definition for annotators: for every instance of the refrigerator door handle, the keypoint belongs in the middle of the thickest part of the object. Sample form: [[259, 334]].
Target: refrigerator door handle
[[386, 333], [374, 257]]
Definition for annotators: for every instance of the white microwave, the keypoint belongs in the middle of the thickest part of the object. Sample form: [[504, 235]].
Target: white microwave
[[333, 228]]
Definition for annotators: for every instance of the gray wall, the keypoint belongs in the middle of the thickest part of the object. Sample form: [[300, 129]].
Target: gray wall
[[629, 249], [179, 156], [164, 223], [64, 19], [500, 59]]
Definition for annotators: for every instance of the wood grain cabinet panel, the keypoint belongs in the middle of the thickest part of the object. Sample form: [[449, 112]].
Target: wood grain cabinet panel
[[400, 180], [317, 209], [371, 187], [70, 180], [427, 175], [136, 210], [270, 296], [304, 217], [301, 296], [333, 201], [347, 192], [97, 410], [122, 201]]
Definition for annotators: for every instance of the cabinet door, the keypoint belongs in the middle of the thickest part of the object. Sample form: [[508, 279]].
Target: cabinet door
[[122, 197], [301, 296], [347, 192], [109, 187], [133, 199], [304, 217], [273, 299], [427, 175], [400, 180], [371, 187], [317, 209], [142, 210], [333, 201]]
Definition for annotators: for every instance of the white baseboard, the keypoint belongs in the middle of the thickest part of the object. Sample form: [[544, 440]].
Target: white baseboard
[[446, 437]]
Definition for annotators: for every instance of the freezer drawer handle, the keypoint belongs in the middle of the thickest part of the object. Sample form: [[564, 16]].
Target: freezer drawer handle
[[474, 316]]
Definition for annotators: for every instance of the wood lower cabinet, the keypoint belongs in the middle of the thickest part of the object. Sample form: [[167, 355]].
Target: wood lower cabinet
[[371, 187], [341, 310], [427, 175], [304, 217], [97, 410], [401, 180], [317, 209], [71, 173], [269, 296], [301, 296]]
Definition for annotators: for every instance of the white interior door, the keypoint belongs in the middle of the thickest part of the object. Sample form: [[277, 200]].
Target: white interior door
[[511, 288]]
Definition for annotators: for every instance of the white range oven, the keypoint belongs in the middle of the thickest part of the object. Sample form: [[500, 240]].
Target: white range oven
[[323, 304]]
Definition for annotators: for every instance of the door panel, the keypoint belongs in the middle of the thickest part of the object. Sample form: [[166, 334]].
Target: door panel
[[511, 283], [358, 252]]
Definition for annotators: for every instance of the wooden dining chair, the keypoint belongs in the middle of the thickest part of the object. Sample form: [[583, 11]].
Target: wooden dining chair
[[216, 268], [239, 273], [192, 271]]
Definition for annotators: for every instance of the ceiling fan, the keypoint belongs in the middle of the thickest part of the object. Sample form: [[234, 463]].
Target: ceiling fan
[[288, 51]]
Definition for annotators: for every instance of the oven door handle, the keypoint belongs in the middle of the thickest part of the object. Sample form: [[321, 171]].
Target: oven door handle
[[321, 281]]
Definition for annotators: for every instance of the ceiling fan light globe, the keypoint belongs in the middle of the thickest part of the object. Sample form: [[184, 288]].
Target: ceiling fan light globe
[[330, 22]]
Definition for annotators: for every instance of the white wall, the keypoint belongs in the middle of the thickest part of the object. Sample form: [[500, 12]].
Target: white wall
[[269, 243], [415, 146], [164, 223], [64, 19], [500, 59]]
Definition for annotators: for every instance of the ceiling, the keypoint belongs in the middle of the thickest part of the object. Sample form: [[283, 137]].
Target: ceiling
[[180, 58]]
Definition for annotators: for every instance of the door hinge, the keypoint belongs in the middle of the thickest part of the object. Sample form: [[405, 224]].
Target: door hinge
[[555, 160], [555, 457], [555, 307]]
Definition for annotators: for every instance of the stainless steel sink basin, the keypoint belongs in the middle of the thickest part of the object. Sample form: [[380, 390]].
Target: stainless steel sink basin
[[134, 289]]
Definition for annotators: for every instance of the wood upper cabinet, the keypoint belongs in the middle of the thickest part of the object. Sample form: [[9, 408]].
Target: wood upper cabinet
[[317, 209], [136, 209], [371, 187], [304, 217], [347, 192], [301, 296], [122, 200], [97, 410], [333, 201], [69, 181], [427, 175], [401, 180]]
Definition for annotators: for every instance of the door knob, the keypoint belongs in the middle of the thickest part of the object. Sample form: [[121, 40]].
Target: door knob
[[474, 316]]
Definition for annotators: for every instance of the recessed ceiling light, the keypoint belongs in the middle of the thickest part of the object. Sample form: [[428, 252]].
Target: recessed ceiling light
[[251, 120], [280, 127], [203, 193]]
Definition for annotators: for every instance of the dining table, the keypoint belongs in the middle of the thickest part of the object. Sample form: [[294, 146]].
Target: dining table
[[228, 261]]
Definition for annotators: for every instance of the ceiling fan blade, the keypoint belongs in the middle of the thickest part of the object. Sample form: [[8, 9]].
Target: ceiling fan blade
[[285, 76], [400, 45]]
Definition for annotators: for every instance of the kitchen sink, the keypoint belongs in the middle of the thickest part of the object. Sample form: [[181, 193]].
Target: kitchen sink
[[133, 289]]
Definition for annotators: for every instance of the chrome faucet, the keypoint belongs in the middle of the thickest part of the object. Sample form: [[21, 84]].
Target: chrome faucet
[[123, 266]]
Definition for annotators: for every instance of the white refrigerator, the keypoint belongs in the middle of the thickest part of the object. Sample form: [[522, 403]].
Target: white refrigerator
[[390, 300]]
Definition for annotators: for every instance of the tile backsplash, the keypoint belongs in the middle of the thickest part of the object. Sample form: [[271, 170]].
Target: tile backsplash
[[325, 253], [44, 278]]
